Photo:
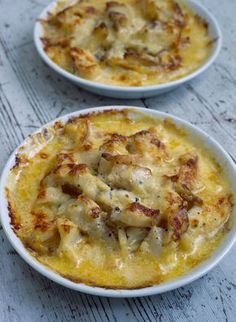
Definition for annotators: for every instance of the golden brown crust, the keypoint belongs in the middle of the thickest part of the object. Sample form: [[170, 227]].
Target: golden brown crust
[[71, 169], [84, 62], [178, 220], [123, 195], [180, 223], [14, 222], [187, 195], [156, 38], [188, 170], [19, 160], [136, 206]]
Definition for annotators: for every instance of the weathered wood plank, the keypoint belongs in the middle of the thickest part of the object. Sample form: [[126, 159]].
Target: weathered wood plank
[[30, 95]]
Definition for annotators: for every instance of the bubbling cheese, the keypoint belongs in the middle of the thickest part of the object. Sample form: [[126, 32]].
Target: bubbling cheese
[[118, 199], [126, 43]]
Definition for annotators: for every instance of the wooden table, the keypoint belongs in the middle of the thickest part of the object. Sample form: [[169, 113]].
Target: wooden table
[[31, 95]]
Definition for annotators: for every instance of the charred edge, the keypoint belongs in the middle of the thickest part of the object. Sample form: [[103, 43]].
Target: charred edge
[[95, 212], [157, 143], [15, 225], [135, 206], [18, 162]]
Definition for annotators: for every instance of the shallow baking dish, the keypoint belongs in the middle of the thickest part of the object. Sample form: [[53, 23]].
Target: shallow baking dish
[[207, 142], [132, 92]]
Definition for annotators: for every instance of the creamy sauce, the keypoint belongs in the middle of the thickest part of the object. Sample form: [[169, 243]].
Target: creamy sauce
[[127, 43], [44, 224]]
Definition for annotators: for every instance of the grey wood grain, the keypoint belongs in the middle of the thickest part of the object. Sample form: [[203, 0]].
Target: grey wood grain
[[30, 95]]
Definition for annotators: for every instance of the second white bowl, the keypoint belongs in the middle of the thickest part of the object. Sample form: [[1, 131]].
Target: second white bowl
[[131, 92]]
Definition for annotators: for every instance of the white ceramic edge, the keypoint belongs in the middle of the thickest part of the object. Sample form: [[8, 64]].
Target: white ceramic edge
[[221, 156], [129, 90]]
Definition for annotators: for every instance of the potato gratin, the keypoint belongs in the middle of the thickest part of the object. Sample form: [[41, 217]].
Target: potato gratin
[[126, 42], [118, 199]]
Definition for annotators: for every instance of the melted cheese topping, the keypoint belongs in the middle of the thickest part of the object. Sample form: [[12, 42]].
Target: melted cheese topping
[[118, 199], [126, 43]]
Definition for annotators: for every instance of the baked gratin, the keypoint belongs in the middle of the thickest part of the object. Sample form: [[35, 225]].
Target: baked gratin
[[126, 42], [118, 199]]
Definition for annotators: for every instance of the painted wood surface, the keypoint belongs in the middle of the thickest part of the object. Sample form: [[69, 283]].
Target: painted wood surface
[[31, 95]]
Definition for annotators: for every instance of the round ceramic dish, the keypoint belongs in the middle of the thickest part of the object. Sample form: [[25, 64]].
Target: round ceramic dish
[[211, 145], [132, 92]]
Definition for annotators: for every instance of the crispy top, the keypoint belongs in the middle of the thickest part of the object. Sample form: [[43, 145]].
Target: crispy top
[[127, 43], [118, 199]]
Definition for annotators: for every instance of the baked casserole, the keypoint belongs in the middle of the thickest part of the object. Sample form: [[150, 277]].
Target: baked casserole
[[118, 199], [126, 43]]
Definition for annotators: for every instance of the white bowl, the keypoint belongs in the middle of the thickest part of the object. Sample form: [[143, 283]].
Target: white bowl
[[131, 92], [205, 140]]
